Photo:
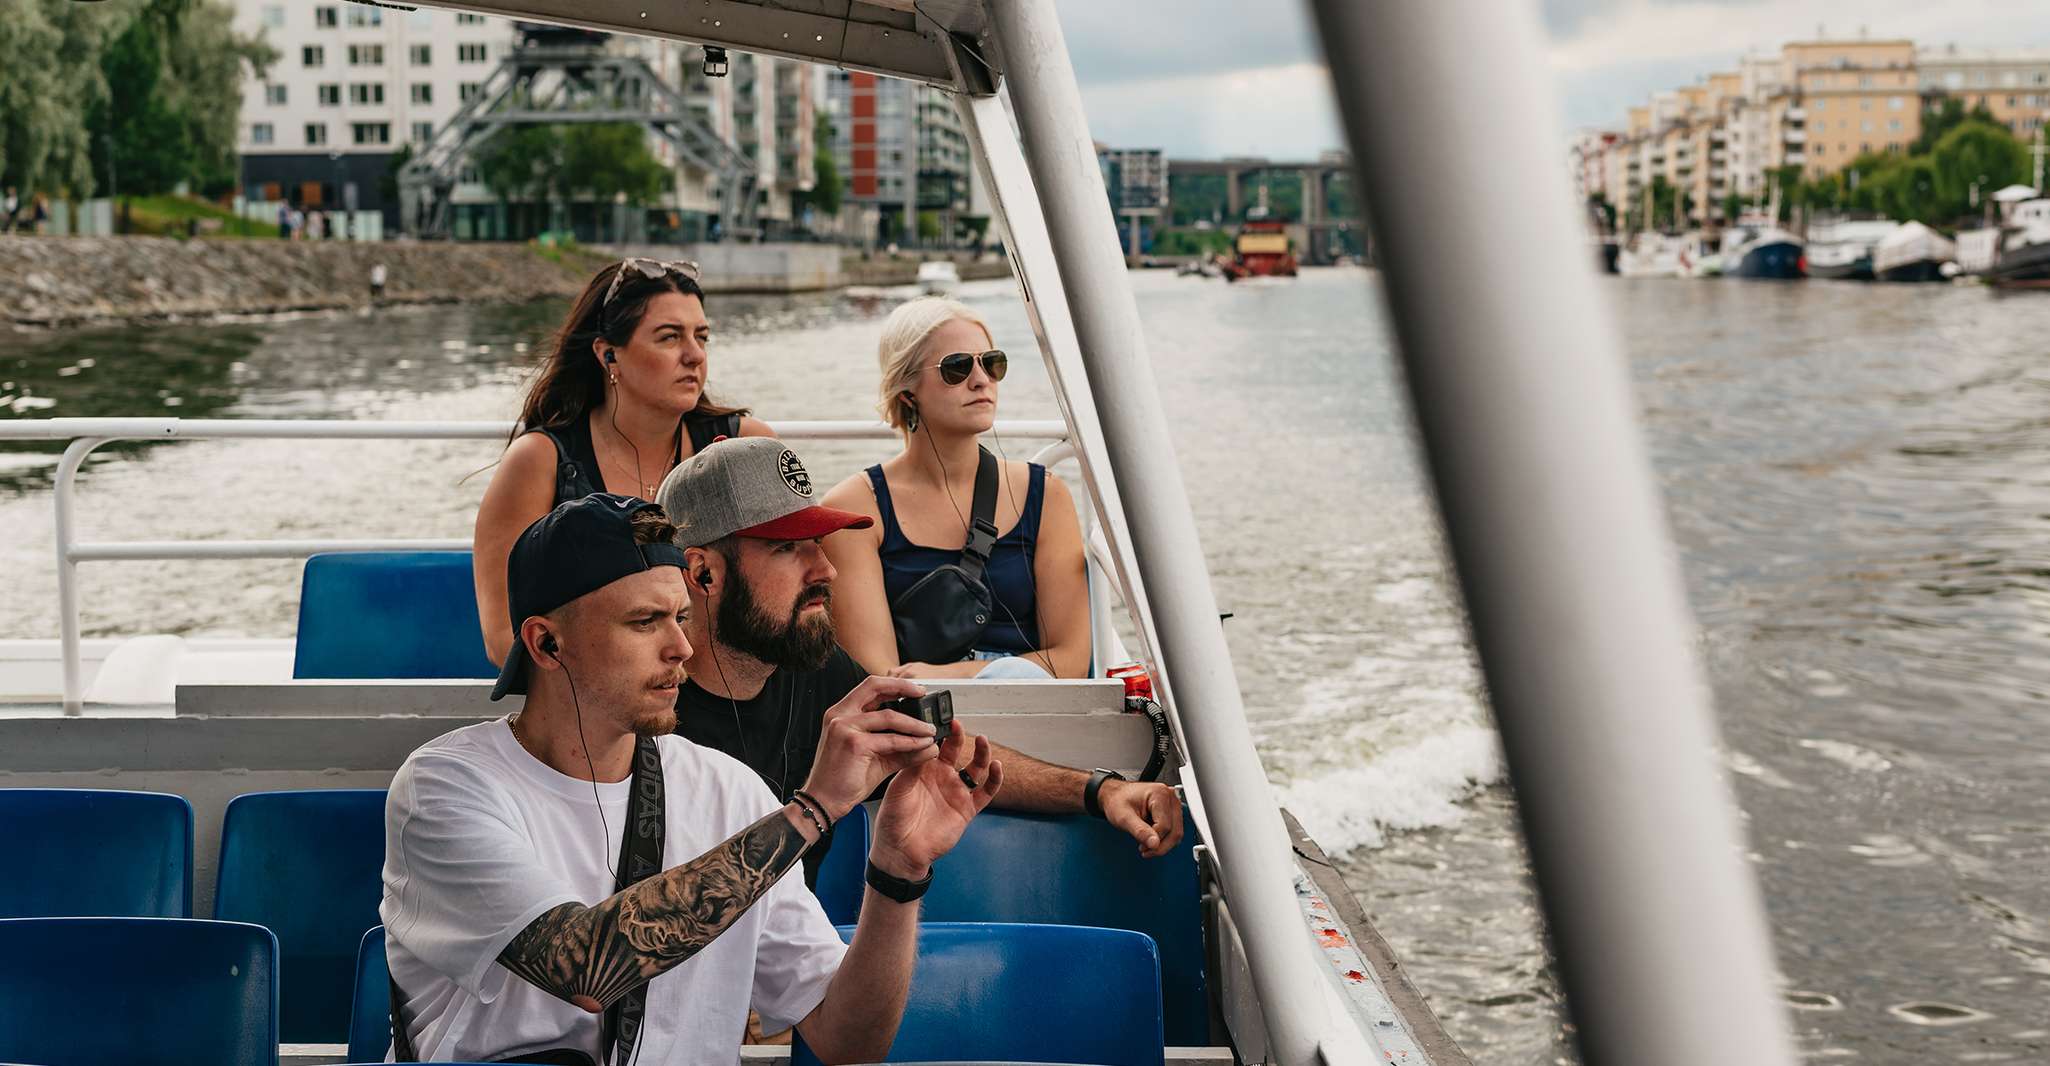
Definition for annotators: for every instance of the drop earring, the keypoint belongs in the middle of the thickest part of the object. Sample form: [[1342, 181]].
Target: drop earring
[[612, 378]]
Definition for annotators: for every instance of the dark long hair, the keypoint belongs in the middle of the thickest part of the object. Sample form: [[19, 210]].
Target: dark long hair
[[571, 382]]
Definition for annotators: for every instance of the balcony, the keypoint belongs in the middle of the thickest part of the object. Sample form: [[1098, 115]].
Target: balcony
[[1795, 137], [1796, 114], [1718, 155], [1795, 159]]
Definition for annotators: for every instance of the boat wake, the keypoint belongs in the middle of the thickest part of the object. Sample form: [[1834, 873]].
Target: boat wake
[[1418, 786]]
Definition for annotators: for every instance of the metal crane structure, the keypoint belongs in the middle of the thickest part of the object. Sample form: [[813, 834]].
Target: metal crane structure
[[555, 76]]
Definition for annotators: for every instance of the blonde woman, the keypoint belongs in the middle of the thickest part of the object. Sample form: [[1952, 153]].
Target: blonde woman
[[940, 375]]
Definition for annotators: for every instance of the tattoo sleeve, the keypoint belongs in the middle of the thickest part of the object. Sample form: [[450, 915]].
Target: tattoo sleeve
[[607, 950]]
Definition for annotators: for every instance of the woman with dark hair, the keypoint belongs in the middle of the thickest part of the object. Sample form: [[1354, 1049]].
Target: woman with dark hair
[[619, 400]]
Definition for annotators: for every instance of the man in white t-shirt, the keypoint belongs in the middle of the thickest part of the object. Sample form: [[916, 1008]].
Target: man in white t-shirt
[[505, 927]]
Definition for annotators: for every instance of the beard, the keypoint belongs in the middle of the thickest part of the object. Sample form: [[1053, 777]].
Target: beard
[[790, 643], [656, 723]]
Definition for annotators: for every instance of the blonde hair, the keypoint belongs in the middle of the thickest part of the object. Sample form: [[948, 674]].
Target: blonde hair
[[901, 351]]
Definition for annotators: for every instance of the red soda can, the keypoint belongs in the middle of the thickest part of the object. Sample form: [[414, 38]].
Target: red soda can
[[1138, 682]]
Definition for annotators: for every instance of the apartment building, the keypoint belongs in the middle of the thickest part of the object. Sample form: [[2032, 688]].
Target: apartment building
[[2012, 84], [903, 152], [1856, 97], [352, 85]]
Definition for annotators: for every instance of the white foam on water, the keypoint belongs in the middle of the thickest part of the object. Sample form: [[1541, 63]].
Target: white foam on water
[[1418, 786]]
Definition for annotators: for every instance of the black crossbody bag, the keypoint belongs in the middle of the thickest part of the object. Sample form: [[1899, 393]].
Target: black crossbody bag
[[942, 615], [640, 857]]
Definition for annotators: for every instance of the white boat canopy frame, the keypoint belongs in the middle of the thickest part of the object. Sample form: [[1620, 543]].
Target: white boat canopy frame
[[1524, 403]]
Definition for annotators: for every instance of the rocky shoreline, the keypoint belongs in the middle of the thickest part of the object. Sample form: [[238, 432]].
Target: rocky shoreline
[[49, 281], [57, 281]]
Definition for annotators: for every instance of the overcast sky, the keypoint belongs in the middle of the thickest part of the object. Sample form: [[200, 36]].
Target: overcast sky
[[1244, 77]]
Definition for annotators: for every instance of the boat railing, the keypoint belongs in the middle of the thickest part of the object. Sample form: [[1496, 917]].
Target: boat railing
[[89, 434]]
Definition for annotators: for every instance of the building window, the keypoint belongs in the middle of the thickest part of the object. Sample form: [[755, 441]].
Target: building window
[[274, 16], [469, 20], [423, 132], [2010, 101], [469, 53], [423, 93], [316, 133], [359, 15], [366, 92], [468, 91], [326, 18], [2008, 78], [1865, 82], [274, 95], [1893, 125], [423, 55], [1822, 103], [371, 132], [1895, 103], [312, 56], [330, 95], [423, 19], [366, 55], [1979, 78], [262, 133]]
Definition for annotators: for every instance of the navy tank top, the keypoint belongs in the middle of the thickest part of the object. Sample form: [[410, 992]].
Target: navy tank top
[[1014, 626], [576, 467]]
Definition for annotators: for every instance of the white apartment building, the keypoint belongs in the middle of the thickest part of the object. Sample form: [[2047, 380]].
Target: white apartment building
[[352, 85], [2013, 84]]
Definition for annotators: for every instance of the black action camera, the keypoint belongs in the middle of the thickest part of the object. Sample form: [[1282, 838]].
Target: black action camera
[[935, 709]]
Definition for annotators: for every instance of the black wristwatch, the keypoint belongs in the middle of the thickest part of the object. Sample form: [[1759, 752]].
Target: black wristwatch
[[896, 887], [1097, 777]]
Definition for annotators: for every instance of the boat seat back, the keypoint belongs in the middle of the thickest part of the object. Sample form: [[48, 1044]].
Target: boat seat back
[[389, 614], [843, 873], [309, 866], [78, 991], [80, 852], [1026, 993], [1076, 870], [370, 1007]]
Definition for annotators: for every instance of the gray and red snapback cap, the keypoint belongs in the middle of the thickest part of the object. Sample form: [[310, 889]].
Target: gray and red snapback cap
[[747, 487]]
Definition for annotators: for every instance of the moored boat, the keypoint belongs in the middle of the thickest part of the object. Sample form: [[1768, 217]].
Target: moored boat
[[1913, 252], [1652, 255], [2022, 253], [1844, 251], [938, 277], [1756, 247]]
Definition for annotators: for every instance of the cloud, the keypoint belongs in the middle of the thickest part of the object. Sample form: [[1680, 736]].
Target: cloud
[[1140, 40], [1279, 112]]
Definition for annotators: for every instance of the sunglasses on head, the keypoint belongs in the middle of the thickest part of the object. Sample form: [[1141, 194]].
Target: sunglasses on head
[[954, 369], [652, 269]]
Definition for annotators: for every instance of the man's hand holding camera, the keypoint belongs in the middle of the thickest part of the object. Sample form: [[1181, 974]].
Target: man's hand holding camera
[[930, 803]]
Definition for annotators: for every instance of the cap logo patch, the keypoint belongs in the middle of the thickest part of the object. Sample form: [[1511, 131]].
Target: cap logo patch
[[793, 473]]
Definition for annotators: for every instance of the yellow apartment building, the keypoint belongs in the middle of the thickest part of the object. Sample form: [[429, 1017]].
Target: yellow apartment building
[[1857, 97]]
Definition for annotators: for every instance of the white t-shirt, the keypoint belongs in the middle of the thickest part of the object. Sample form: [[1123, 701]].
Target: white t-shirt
[[481, 838]]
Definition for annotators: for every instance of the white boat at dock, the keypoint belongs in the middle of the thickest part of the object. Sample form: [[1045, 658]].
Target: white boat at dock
[[1844, 250], [937, 277], [1650, 254], [1914, 252]]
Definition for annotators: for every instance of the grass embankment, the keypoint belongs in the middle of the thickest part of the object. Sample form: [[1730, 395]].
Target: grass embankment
[[171, 215]]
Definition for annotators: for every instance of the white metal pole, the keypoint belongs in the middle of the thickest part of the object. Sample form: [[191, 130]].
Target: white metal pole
[[67, 571], [1249, 836], [1570, 577]]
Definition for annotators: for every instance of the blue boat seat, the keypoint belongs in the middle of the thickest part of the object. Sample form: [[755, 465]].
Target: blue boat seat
[[90, 991], [310, 867], [81, 852], [842, 873], [1076, 870], [1027, 993], [370, 1008], [389, 614]]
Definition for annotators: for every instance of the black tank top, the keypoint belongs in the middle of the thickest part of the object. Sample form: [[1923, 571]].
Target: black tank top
[[576, 467]]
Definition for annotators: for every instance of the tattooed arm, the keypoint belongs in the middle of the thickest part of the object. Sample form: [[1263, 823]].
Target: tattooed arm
[[591, 956]]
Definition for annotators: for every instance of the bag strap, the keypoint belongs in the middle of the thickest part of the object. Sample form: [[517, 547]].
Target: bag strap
[[982, 536], [640, 857]]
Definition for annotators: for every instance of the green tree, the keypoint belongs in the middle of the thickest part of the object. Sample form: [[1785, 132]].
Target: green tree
[[49, 76], [1976, 153], [139, 143], [205, 64], [1910, 192], [826, 188], [523, 163], [607, 160], [1943, 118], [928, 225], [1733, 205]]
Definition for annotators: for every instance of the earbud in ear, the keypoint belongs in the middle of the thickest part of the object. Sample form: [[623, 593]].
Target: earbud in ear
[[610, 357], [548, 643], [910, 408], [705, 580]]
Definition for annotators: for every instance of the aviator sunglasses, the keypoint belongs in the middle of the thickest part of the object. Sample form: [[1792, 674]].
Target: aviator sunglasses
[[954, 369], [652, 269]]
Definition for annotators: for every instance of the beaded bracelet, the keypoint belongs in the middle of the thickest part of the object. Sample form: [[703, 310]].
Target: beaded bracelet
[[813, 801]]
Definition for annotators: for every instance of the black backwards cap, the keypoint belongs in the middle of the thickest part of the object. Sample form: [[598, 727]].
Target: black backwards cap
[[578, 548]]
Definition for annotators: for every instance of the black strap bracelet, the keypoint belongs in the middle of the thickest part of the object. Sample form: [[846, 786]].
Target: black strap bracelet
[[812, 801], [1092, 802], [895, 887]]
